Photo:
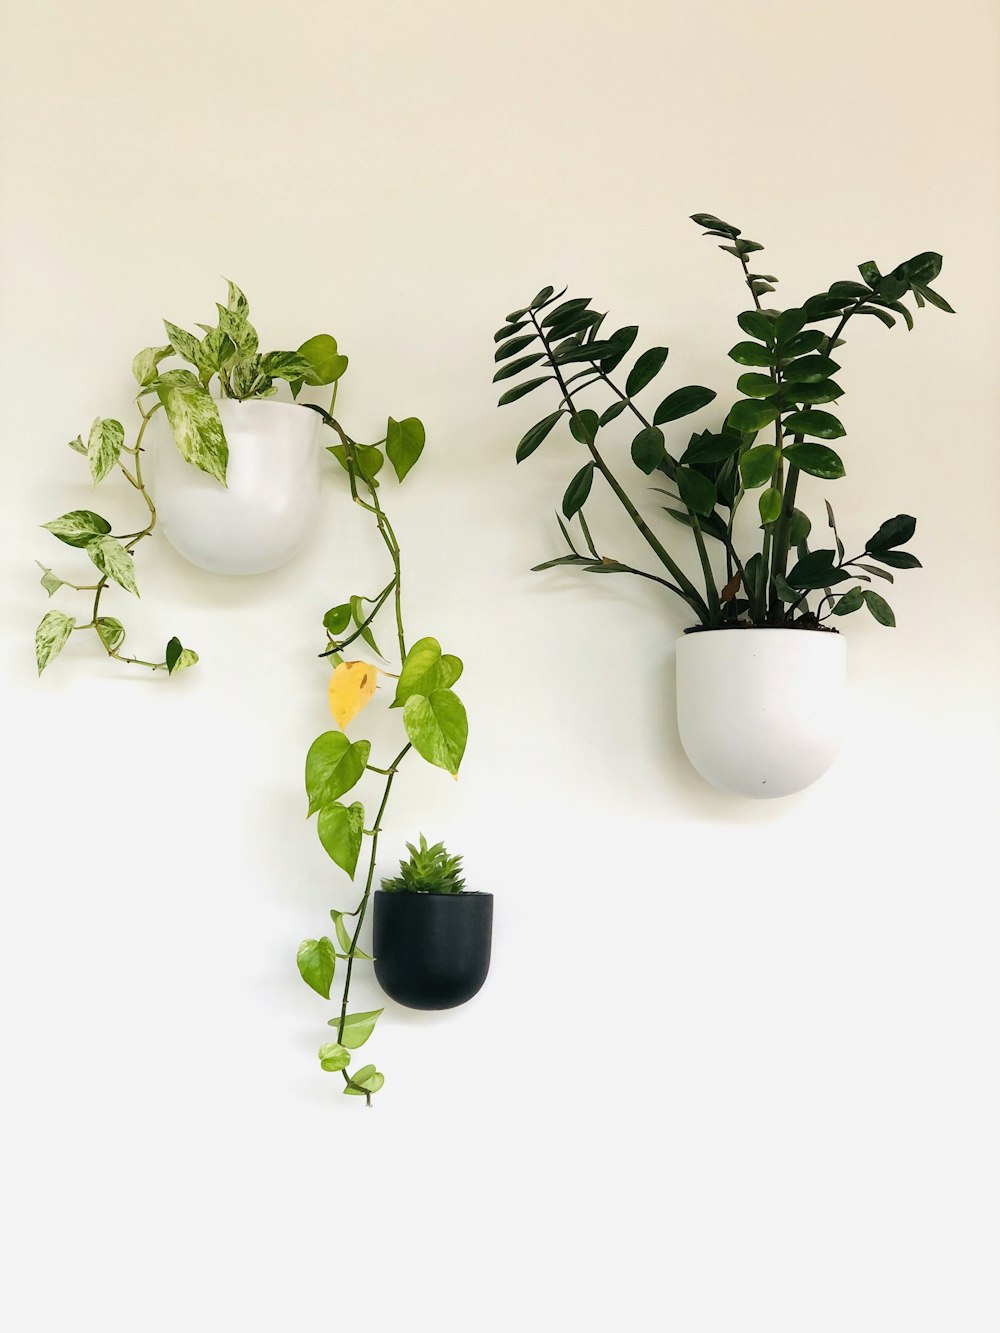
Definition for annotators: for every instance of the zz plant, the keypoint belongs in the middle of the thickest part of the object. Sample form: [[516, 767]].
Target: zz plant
[[433, 720], [777, 429], [225, 359]]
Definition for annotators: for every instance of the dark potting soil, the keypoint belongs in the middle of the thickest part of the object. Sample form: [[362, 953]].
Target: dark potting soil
[[808, 622]]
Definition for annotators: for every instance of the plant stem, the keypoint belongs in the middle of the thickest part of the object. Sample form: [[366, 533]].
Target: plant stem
[[363, 906], [130, 541], [339, 645]]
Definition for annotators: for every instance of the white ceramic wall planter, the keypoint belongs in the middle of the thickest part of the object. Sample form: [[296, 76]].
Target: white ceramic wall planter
[[266, 513], [761, 711]]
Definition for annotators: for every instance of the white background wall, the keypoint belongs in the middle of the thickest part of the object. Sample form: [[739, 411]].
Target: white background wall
[[735, 1067]]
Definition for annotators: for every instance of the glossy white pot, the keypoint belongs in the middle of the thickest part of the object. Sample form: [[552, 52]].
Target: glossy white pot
[[761, 711], [266, 512]]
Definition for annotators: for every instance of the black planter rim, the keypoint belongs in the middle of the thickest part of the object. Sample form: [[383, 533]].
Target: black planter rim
[[407, 893]]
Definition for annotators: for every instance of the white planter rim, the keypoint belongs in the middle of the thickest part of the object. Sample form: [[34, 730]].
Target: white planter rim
[[760, 710]]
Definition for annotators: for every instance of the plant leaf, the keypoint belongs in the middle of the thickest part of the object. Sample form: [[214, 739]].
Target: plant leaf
[[755, 385], [896, 559], [879, 608], [809, 340], [511, 368], [648, 449], [333, 766], [849, 603], [534, 437], [799, 528], [104, 446], [583, 426], [333, 1058], [185, 344], [893, 532], [621, 341], [340, 828], [437, 727], [809, 370], [757, 324], [337, 618], [290, 366], [752, 354], [682, 402], [697, 492], [816, 459], [645, 369], [352, 688], [358, 613], [769, 505], [79, 527], [110, 631], [357, 1027], [112, 559], [326, 363], [578, 490], [404, 443], [49, 581], [816, 570], [710, 448], [146, 363], [823, 425], [50, 637], [512, 395], [365, 1082], [317, 960], [426, 669], [757, 465], [194, 420], [751, 414]]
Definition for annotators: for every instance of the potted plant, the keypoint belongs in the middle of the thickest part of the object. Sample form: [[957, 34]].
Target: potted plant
[[236, 478], [431, 936], [239, 493], [433, 720], [760, 675]]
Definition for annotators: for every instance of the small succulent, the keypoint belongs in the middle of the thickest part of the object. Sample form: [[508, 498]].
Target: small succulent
[[429, 870]]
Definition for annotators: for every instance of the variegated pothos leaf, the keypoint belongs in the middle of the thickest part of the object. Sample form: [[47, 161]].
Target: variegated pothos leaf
[[195, 422], [104, 446], [112, 559], [50, 637]]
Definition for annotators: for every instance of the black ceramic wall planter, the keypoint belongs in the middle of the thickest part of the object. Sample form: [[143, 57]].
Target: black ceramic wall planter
[[432, 950]]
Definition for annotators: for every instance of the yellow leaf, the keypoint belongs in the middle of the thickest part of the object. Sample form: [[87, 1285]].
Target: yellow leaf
[[351, 688]]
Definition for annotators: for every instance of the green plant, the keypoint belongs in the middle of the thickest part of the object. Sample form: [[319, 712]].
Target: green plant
[[226, 355], [787, 381], [433, 719], [428, 870]]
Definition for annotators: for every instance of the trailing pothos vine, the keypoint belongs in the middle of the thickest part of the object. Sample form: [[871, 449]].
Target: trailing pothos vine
[[434, 723], [789, 370], [111, 555]]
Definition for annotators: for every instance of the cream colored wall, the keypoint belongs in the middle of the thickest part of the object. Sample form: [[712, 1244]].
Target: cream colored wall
[[735, 1066]]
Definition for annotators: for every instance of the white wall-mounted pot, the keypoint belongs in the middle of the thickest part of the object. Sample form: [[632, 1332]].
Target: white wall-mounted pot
[[266, 512], [761, 711]]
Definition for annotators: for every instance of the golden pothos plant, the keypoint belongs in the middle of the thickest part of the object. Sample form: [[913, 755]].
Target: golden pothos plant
[[433, 722]]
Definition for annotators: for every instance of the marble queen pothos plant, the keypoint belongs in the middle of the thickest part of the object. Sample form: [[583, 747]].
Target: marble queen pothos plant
[[433, 720], [776, 430], [225, 358]]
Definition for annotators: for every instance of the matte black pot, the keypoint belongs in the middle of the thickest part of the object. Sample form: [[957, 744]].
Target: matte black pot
[[432, 950]]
